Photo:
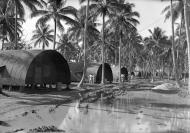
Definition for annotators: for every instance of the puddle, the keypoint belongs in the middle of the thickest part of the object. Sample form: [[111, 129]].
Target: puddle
[[127, 116], [135, 112]]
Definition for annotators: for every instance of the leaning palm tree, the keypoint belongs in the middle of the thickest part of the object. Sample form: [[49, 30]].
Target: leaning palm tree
[[56, 11], [84, 31], [42, 35], [123, 21], [19, 8], [85, 34], [7, 24]]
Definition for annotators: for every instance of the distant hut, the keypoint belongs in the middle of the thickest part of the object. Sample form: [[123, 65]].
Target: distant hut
[[107, 73], [21, 67], [125, 73], [76, 71]]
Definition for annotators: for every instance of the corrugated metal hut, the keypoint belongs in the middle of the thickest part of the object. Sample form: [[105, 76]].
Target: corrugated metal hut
[[108, 75], [76, 70], [125, 73], [21, 67]]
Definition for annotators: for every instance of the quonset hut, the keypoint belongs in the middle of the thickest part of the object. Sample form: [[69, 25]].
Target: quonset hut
[[108, 75], [21, 67], [125, 73]]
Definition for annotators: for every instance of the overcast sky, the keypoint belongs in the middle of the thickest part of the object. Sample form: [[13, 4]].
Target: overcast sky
[[150, 17]]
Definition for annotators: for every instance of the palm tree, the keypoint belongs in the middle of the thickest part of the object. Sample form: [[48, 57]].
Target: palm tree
[[85, 38], [181, 48], [178, 10], [111, 44], [103, 8], [42, 35], [20, 12], [76, 30], [187, 22], [56, 11], [154, 46], [132, 49], [157, 35], [174, 11], [84, 29], [123, 21], [68, 48], [65, 45], [7, 24]]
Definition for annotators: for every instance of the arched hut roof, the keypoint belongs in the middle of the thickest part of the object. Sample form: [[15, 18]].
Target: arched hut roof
[[108, 75], [33, 67]]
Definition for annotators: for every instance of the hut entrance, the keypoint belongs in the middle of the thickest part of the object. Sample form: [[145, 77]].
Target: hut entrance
[[108, 75], [124, 72], [48, 68], [21, 67]]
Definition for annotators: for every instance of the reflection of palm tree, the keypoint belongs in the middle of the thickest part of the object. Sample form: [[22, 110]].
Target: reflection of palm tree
[[57, 11], [42, 35], [7, 24]]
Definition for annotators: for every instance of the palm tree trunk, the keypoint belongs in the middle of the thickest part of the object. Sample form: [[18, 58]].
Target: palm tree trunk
[[2, 43], [120, 41], [85, 33], [186, 11], [16, 13], [64, 51], [173, 47], [79, 55], [163, 69], [55, 29], [180, 41], [152, 67], [103, 41], [115, 56], [43, 46]]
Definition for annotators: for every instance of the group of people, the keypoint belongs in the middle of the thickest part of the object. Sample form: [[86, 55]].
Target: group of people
[[125, 76], [91, 78]]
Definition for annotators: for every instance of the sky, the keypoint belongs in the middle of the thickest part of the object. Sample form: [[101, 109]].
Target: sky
[[150, 17]]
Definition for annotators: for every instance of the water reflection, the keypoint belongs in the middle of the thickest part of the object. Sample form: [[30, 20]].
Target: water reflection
[[125, 116]]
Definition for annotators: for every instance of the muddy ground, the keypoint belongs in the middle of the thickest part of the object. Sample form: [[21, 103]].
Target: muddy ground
[[131, 107]]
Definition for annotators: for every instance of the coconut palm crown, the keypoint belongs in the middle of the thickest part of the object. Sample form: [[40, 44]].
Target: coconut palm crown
[[56, 11], [42, 35]]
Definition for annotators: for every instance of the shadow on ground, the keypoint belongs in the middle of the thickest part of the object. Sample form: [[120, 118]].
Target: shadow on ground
[[2, 123]]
